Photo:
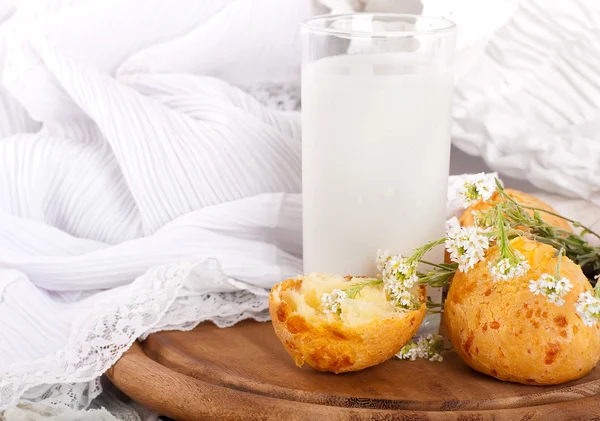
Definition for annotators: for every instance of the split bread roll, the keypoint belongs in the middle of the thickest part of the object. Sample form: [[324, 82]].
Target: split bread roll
[[368, 331], [506, 331]]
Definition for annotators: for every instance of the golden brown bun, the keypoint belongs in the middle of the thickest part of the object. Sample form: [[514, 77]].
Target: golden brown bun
[[467, 218], [364, 337], [504, 330]]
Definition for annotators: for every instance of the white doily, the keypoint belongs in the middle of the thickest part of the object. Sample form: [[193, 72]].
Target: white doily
[[280, 97]]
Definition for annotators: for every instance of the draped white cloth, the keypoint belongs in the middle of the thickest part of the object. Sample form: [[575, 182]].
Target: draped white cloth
[[150, 160], [528, 101], [128, 142]]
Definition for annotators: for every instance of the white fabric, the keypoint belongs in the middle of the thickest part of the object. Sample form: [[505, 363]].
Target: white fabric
[[528, 97], [528, 87], [40, 412], [129, 144], [150, 163]]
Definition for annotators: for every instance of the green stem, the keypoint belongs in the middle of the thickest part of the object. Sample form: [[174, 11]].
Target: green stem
[[433, 264], [431, 304], [355, 289], [421, 251], [567, 240], [576, 223], [438, 278], [505, 249], [533, 208], [561, 252]]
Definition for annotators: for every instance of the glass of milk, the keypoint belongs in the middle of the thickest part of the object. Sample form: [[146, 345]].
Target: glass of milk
[[376, 103]]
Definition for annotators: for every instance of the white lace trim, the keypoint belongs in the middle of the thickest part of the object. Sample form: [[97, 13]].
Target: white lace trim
[[276, 96], [41, 412], [175, 296]]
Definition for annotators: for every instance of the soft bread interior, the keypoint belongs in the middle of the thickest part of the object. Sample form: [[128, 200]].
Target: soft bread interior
[[370, 304]]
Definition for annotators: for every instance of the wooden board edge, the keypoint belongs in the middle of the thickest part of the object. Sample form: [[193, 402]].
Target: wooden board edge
[[188, 399], [157, 348]]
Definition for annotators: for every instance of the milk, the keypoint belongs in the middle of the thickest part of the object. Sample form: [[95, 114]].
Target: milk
[[376, 145]]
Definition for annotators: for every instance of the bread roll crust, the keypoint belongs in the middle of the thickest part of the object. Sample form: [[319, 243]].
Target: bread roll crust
[[334, 346], [504, 330]]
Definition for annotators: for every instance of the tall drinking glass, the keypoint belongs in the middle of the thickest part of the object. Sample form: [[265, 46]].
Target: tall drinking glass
[[376, 114]]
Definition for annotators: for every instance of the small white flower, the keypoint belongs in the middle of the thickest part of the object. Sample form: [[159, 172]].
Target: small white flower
[[436, 357], [428, 347], [398, 277], [408, 352], [466, 245], [477, 187], [397, 268], [331, 303], [588, 307], [452, 225], [406, 281], [553, 288], [483, 219], [383, 256], [398, 294], [505, 269]]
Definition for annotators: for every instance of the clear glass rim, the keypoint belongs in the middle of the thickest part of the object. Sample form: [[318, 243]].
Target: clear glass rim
[[312, 24]]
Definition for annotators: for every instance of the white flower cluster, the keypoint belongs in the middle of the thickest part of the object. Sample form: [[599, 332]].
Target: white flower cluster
[[398, 277], [477, 187], [552, 287], [399, 296], [332, 302], [588, 307], [396, 267], [383, 257], [428, 347], [506, 269], [466, 245]]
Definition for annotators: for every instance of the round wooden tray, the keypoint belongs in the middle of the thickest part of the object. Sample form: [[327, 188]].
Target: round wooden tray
[[243, 373]]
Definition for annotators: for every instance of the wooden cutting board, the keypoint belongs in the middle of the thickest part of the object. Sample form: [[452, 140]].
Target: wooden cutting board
[[243, 373]]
